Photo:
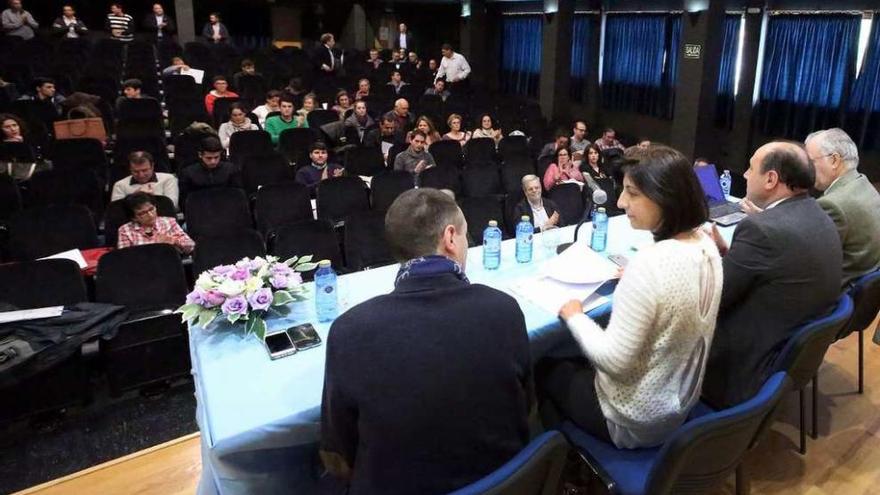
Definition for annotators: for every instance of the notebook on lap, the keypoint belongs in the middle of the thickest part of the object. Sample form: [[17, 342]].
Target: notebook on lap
[[721, 211]]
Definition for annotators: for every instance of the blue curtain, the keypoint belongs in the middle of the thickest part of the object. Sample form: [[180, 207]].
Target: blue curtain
[[724, 104], [521, 42], [581, 49], [863, 119], [809, 62], [634, 78]]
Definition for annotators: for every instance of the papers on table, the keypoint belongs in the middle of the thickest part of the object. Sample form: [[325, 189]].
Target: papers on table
[[73, 255], [575, 274], [196, 74], [30, 314]]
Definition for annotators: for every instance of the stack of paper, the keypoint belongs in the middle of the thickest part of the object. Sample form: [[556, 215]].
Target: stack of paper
[[73, 255]]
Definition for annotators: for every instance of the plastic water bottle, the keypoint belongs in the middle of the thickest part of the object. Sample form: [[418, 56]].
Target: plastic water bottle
[[492, 246], [600, 231], [726, 181], [524, 232], [325, 291]]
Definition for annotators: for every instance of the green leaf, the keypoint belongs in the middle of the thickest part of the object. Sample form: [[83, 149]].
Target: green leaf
[[282, 310], [305, 267], [306, 259], [257, 326], [281, 297], [190, 312], [291, 261], [206, 317], [233, 318]]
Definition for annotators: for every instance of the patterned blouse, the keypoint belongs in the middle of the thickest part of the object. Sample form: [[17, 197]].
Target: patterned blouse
[[134, 234]]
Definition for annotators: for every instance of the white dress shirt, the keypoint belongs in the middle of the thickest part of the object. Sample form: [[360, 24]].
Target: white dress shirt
[[455, 68], [403, 41]]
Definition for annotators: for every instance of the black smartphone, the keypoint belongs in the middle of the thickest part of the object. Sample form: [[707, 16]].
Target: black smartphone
[[279, 345], [304, 336]]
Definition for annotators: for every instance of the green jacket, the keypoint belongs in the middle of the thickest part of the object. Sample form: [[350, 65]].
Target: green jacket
[[274, 126]]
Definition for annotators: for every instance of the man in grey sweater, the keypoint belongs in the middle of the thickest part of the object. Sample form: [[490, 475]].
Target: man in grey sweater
[[18, 22], [416, 158]]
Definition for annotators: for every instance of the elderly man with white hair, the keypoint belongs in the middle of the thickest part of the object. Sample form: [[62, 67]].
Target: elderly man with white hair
[[542, 212], [848, 198]]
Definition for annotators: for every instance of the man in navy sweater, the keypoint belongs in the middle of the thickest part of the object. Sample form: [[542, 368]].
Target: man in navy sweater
[[428, 388]]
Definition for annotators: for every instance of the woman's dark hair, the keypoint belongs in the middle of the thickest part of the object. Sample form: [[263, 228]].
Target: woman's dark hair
[[556, 155], [665, 176], [595, 148], [134, 201], [480, 121], [238, 106], [8, 116]]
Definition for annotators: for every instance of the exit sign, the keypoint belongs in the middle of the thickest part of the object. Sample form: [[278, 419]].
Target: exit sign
[[692, 51]]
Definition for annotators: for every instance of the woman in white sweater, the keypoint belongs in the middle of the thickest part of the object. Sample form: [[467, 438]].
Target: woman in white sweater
[[645, 370], [238, 121]]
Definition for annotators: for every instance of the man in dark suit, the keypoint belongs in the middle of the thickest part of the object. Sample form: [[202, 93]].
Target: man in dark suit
[[159, 25], [542, 212], [404, 39], [782, 269], [428, 388]]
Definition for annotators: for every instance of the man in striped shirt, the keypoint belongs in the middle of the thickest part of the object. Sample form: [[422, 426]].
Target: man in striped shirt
[[119, 24]]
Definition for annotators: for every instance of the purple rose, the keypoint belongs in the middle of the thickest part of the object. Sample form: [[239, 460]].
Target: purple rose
[[294, 279], [196, 297], [280, 269], [256, 264], [261, 299], [213, 298], [240, 274], [235, 305], [279, 281], [223, 269]]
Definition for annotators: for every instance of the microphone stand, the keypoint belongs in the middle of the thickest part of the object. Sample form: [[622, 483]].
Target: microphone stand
[[599, 198]]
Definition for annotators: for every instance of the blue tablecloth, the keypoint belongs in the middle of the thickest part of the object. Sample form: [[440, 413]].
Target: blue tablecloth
[[260, 419]]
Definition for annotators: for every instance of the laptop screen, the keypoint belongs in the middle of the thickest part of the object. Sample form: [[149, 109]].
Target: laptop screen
[[708, 177]]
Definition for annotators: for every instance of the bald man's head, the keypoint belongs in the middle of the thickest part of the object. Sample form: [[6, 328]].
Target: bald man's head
[[778, 170], [401, 107]]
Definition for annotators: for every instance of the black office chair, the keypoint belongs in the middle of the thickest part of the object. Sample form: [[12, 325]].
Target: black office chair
[[139, 117], [66, 187], [481, 179], [865, 293], [10, 198], [479, 150], [447, 153], [309, 237], [43, 231], [262, 170], [79, 154], [339, 197], [36, 284], [513, 170], [442, 178], [294, 144], [245, 143], [217, 211], [151, 346], [115, 216], [281, 204], [361, 160], [318, 118], [478, 212], [212, 251], [569, 200], [387, 186], [514, 147], [364, 241]]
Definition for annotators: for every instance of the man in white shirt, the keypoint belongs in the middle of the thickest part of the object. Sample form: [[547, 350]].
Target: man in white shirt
[[143, 178], [454, 67], [68, 25]]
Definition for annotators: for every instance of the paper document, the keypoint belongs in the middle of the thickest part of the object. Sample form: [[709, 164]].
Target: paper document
[[73, 255], [196, 74], [386, 147], [30, 314], [549, 294], [580, 265]]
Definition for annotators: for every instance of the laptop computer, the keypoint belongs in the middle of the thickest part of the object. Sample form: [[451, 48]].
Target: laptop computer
[[721, 211]]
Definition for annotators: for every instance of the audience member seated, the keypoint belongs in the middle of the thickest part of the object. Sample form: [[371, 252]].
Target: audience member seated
[[425, 125], [69, 26], [415, 159], [550, 149], [221, 90], [214, 32], [44, 91], [273, 100], [783, 268], [401, 115], [487, 129], [391, 422], [360, 119], [310, 102], [343, 103], [593, 165], [438, 89], [209, 172], [433, 67], [643, 371], [363, 89], [18, 22], [177, 65], [578, 143], [848, 198], [414, 61], [561, 170], [319, 168], [396, 82], [145, 179], [147, 227], [276, 124], [542, 212], [296, 89], [374, 61], [456, 133], [387, 132], [119, 24], [248, 69], [131, 90], [238, 121], [609, 140], [13, 128]]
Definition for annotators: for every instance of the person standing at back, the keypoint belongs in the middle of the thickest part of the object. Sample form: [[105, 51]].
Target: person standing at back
[[782, 268], [119, 24], [426, 389], [18, 22]]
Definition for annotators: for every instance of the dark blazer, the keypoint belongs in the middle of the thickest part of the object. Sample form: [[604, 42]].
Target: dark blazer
[[428, 388], [151, 28], [783, 269], [410, 41], [208, 33], [321, 56], [523, 208]]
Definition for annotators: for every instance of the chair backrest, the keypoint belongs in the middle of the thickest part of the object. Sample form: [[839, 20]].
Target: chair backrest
[[569, 200], [243, 143], [362, 160], [447, 153], [10, 197], [481, 179], [17, 152], [364, 240], [217, 211], [805, 350], [441, 178], [479, 149], [226, 249], [865, 293], [703, 452], [478, 212], [280, 204], [317, 118], [78, 154], [115, 216], [315, 237], [387, 186], [514, 146], [264, 169], [339, 197], [142, 278], [294, 143], [535, 470], [513, 170], [36, 284], [43, 231]]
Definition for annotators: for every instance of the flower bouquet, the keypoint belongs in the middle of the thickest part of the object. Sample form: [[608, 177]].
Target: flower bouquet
[[246, 292]]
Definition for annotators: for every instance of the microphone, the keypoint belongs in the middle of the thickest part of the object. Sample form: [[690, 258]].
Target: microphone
[[599, 198]]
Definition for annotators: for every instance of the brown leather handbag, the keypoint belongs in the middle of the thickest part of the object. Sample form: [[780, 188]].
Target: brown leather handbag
[[92, 127]]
